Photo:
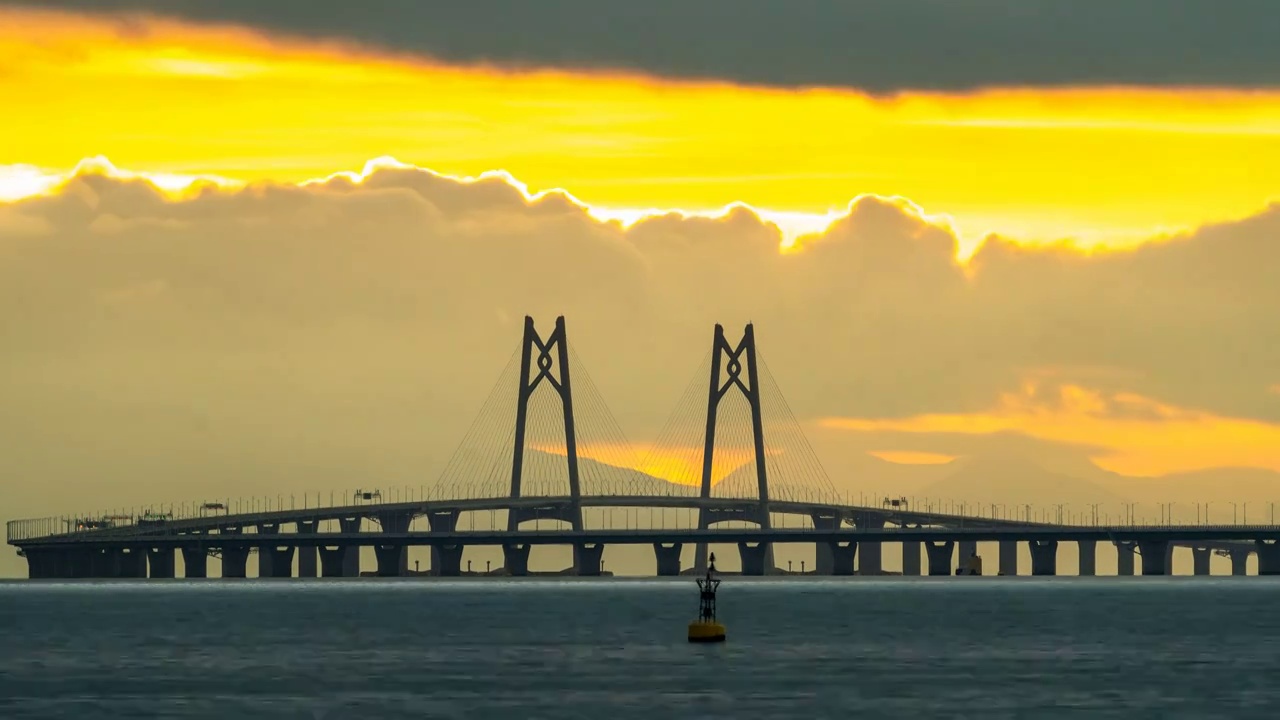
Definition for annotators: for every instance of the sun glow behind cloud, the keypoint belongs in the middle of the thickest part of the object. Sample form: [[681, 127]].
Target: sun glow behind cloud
[[1102, 166], [1145, 437]]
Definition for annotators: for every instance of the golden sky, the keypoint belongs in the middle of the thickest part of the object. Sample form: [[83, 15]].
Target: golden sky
[[1097, 165], [1104, 166]]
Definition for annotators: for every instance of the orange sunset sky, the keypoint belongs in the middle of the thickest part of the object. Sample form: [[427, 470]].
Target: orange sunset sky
[[290, 256]]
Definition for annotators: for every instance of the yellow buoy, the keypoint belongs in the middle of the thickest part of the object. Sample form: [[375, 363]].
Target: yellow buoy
[[706, 629]]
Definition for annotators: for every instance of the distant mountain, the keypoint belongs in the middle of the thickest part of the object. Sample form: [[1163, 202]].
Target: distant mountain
[[1014, 480]]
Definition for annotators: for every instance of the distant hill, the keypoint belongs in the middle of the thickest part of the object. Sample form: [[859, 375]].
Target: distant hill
[[1014, 480]]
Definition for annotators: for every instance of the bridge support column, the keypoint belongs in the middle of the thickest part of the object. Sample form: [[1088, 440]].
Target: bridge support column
[[52, 563], [1008, 557], [396, 523], [104, 563], [81, 563], [753, 557], [41, 564], [940, 556], [588, 559], [60, 563], [161, 562], [450, 564], [351, 553], [195, 562], [842, 556], [1044, 557], [967, 550], [1268, 557], [307, 556], [1124, 557], [823, 560], [668, 557], [515, 558], [235, 562], [446, 521], [133, 563], [1239, 561], [265, 568], [1200, 560], [1155, 557], [910, 557], [391, 560], [281, 560], [870, 555], [333, 561], [1088, 558]]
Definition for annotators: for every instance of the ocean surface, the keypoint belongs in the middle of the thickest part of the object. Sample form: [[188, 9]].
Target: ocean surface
[[615, 649]]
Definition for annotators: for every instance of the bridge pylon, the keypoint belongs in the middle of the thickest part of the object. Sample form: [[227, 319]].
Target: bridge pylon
[[550, 365], [728, 364]]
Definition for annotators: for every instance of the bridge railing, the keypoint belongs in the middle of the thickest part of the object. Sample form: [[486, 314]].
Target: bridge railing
[[34, 528]]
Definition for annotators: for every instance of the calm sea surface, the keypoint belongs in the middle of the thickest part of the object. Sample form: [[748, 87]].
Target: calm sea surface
[[611, 650]]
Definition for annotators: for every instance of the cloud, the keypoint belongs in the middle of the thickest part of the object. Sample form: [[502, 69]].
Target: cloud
[[1139, 436], [344, 333], [876, 45]]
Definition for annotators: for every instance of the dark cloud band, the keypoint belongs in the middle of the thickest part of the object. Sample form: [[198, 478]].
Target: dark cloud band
[[876, 45]]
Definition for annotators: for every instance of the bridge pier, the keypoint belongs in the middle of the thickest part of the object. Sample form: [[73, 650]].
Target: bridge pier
[[133, 562], [842, 556], [967, 550], [397, 522], [195, 562], [911, 557], [40, 564], [281, 560], [1008, 557], [450, 560], [588, 559], [161, 562], [753, 557], [1239, 561], [446, 521], [515, 558], [103, 563], [1200, 560], [307, 555], [81, 562], [265, 567], [668, 558], [235, 562], [1268, 557], [1155, 557], [1124, 557], [823, 560], [1044, 557], [350, 553], [1088, 558], [870, 555], [333, 561], [391, 560], [940, 556]]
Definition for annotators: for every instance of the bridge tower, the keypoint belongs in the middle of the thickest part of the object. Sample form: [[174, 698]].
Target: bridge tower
[[551, 365], [735, 360]]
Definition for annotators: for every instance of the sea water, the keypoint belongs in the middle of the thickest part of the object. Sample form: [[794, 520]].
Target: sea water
[[604, 649]]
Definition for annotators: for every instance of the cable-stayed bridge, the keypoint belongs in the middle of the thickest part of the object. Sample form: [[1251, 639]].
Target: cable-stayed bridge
[[544, 462]]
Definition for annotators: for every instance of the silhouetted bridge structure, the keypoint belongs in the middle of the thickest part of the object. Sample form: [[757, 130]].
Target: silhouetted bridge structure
[[500, 469]]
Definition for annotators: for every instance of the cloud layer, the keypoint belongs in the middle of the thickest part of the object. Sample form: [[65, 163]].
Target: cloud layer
[[876, 45], [289, 339]]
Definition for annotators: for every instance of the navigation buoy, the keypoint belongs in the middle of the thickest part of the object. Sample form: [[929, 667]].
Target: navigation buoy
[[705, 629]]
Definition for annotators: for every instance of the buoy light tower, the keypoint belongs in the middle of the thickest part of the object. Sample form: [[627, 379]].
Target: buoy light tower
[[706, 629]]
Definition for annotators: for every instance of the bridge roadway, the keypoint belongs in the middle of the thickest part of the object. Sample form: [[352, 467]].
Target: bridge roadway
[[128, 551]]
